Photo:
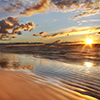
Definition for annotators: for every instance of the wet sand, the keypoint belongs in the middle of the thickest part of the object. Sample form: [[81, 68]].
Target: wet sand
[[19, 85]]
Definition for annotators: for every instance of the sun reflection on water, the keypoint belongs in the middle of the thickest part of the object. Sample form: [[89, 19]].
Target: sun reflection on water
[[88, 64]]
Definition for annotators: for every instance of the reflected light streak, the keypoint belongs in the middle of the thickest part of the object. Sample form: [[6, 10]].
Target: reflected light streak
[[88, 64]]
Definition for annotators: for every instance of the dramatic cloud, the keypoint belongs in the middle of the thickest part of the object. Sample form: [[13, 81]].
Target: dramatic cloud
[[40, 7], [12, 24], [44, 5], [39, 34], [87, 7], [73, 31]]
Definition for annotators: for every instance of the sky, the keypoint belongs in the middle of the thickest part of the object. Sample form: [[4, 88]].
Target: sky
[[49, 21]]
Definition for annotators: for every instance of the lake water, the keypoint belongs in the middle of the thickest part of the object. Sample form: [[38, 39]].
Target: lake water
[[81, 74]]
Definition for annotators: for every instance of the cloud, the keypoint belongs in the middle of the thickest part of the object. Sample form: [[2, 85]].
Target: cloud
[[12, 24], [98, 33], [57, 41], [11, 7], [88, 7], [44, 5], [56, 35], [7, 39], [26, 27], [91, 8], [92, 20], [73, 31], [40, 7], [39, 34], [85, 14], [80, 24], [55, 20], [62, 4], [86, 21], [13, 21]]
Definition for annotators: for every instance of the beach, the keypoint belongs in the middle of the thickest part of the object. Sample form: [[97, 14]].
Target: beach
[[49, 49], [55, 74], [17, 85]]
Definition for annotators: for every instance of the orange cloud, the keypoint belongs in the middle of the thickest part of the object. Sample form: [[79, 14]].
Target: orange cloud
[[88, 7], [12, 24], [55, 20], [73, 31], [26, 27], [56, 35], [40, 7], [44, 5], [39, 34]]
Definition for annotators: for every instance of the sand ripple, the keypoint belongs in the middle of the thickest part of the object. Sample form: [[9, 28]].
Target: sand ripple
[[18, 85]]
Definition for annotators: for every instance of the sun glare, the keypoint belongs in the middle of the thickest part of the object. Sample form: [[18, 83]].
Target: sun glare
[[89, 41], [88, 64]]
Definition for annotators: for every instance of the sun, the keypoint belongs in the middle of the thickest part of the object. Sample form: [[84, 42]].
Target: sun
[[89, 41]]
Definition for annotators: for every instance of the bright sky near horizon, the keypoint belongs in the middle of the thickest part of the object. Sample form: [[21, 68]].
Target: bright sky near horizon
[[49, 20]]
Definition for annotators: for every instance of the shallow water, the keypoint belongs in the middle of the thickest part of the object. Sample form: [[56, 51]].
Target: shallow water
[[82, 76]]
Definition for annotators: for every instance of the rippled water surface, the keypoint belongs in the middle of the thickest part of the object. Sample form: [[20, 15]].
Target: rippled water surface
[[82, 76]]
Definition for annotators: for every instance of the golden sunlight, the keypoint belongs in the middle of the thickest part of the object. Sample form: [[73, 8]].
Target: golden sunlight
[[89, 41], [88, 64]]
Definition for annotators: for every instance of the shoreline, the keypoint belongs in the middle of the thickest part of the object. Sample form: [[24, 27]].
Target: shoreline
[[58, 53], [19, 85]]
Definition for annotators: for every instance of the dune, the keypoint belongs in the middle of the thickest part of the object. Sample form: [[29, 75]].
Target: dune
[[19, 85]]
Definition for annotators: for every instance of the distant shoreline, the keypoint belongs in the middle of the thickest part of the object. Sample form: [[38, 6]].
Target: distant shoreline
[[40, 43], [63, 53]]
